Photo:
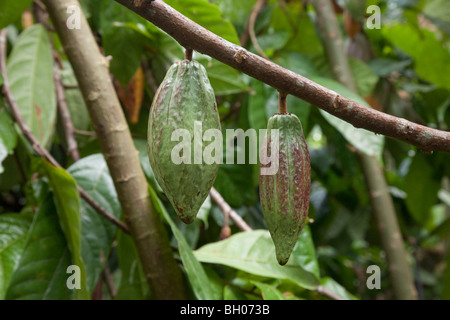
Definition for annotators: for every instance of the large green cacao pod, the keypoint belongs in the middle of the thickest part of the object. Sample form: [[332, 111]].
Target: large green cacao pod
[[184, 97], [285, 194]]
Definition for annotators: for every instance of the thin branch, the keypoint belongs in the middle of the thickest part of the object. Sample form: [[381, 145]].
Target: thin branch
[[188, 53], [107, 277], [66, 118], [227, 210], [282, 103], [190, 34], [251, 26], [38, 148]]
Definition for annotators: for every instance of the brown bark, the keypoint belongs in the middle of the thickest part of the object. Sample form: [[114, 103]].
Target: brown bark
[[147, 230]]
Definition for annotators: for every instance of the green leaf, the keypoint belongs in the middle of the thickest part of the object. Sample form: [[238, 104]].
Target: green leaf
[[74, 98], [426, 50], [336, 288], [305, 254], [141, 146], [67, 201], [384, 67], [234, 183], [97, 233], [438, 9], [11, 10], [41, 273], [254, 252], [237, 11], [30, 70], [124, 44], [364, 77], [269, 292], [233, 293], [224, 79], [442, 230], [363, 140], [133, 285], [8, 136], [421, 188], [13, 232], [207, 15], [201, 286]]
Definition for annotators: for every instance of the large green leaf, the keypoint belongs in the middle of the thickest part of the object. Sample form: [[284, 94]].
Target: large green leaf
[[13, 232], [336, 288], [67, 201], [254, 252], [426, 50], [363, 140], [97, 233], [421, 189], [30, 71], [207, 15], [133, 285], [10, 10], [305, 254], [201, 286], [41, 273], [269, 292], [8, 136]]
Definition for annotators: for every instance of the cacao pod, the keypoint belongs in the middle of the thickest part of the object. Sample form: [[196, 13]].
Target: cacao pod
[[285, 194], [185, 97]]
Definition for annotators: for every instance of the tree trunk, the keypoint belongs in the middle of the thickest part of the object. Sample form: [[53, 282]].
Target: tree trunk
[[91, 70]]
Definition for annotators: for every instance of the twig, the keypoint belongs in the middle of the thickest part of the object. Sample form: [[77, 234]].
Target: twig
[[107, 277], [251, 26], [188, 53], [40, 150], [72, 146], [226, 209], [84, 133], [324, 291], [282, 103], [188, 33]]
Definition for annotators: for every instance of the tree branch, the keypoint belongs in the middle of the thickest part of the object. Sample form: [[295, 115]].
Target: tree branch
[[226, 209], [66, 119], [38, 148], [189, 34]]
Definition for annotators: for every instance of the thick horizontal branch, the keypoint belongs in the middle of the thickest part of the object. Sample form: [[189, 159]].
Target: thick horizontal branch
[[191, 35]]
